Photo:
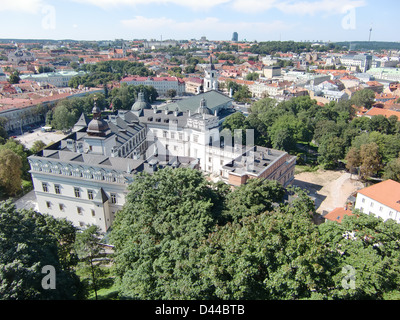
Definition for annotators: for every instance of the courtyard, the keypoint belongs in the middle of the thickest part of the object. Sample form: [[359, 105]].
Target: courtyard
[[331, 189]]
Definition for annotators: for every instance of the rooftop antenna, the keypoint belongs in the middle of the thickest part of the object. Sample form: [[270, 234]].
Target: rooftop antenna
[[370, 31]]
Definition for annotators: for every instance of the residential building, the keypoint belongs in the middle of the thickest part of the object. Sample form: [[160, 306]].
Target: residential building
[[57, 79], [381, 199], [161, 84], [360, 62], [193, 85], [391, 74], [260, 162], [271, 72], [19, 56]]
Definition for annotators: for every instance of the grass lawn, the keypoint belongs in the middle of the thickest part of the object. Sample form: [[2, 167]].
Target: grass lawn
[[106, 288]]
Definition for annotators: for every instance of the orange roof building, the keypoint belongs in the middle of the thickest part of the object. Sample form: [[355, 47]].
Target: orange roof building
[[384, 112], [338, 214], [381, 199]]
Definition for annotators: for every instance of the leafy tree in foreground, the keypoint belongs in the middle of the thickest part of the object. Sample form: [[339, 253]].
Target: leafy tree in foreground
[[253, 198], [163, 220], [28, 242], [367, 247], [273, 255]]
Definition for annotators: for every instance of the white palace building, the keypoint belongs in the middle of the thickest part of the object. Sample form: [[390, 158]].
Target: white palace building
[[84, 177]]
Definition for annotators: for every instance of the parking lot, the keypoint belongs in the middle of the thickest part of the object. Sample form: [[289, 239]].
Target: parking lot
[[47, 137]]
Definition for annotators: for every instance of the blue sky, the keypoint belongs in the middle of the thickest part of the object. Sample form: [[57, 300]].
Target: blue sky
[[261, 20]]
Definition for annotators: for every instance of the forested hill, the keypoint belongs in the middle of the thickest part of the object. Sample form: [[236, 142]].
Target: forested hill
[[369, 45]]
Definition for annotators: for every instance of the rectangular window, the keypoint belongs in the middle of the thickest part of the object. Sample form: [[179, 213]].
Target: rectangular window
[[61, 206], [113, 198], [57, 189], [165, 134], [195, 138], [93, 213], [77, 192], [172, 135], [48, 204], [90, 194], [45, 187], [79, 210], [180, 136]]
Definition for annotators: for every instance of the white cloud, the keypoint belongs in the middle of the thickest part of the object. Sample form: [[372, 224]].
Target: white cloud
[[321, 6], [211, 27], [193, 4], [302, 7], [30, 6]]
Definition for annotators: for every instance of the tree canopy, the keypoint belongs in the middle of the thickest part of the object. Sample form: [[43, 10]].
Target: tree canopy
[[30, 241], [182, 237]]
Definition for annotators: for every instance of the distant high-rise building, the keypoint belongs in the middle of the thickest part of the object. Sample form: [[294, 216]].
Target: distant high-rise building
[[235, 36]]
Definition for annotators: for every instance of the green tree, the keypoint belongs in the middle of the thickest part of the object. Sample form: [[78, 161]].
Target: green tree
[[369, 247], [243, 94], [3, 131], [165, 217], [14, 77], [171, 93], [392, 170], [273, 255], [234, 122], [38, 145], [18, 148], [63, 118], [28, 242], [252, 76], [353, 160], [10, 171], [330, 151], [363, 98], [90, 253], [371, 161], [253, 198]]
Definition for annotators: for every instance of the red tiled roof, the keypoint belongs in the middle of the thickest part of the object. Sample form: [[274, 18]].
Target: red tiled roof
[[338, 214], [386, 192], [137, 78], [384, 112]]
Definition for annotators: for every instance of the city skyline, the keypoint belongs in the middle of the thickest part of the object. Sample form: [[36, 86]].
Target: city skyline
[[260, 20]]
